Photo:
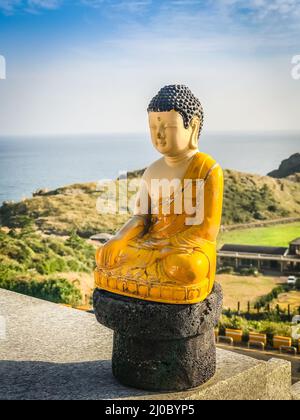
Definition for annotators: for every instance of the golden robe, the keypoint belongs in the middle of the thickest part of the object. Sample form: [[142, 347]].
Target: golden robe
[[173, 263]]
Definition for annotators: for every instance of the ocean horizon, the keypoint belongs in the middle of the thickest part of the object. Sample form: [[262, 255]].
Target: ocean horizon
[[37, 162]]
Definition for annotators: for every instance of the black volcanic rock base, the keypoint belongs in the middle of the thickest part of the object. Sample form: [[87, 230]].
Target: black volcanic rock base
[[161, 347]]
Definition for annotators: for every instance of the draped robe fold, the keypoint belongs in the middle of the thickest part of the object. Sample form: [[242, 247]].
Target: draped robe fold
[[150, 267]]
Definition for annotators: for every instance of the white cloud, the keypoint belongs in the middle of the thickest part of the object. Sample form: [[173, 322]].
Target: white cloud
[[11, 6], [107, 88], [263, 9], [8, 6], [253, 9], [44, 4], [135, 6], [130, 6], [93, 3], [240, 72]]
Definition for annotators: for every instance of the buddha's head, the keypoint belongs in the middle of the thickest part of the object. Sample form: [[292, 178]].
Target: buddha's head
[[176, 120]]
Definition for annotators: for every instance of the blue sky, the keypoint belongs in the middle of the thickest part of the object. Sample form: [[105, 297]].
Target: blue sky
[[81, 66]]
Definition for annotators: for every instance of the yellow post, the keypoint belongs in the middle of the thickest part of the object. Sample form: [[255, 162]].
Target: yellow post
[[258, 338], [279, 341], [236, 335]]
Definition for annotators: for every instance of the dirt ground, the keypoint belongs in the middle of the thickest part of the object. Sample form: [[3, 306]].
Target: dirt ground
[[291, 298], [244, 289]]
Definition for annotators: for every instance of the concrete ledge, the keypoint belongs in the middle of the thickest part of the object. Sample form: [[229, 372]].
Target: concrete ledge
[[52, 352], [296, 392]]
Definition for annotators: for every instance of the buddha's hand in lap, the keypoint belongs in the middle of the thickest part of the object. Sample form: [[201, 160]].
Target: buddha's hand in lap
[[108, 255]]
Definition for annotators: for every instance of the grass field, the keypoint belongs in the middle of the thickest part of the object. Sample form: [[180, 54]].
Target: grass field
[[244, 289], [291, 298], [279, 235]]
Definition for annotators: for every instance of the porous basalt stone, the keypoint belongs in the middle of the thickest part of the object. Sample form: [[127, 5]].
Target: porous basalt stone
[[161, 347]]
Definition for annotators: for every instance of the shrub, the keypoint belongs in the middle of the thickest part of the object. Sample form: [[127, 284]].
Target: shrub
[[251, 271], [47, 255], [75, 265], [75, 242], [234, 322], [226, 270], [51, 266], [264, 300], [60, 291], [18, 251], [59, 247], [270, 328], [6, 273], [23, 221], [57, 290], [37, 246]]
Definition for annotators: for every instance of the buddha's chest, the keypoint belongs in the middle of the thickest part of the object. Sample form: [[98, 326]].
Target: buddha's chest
[[166, 182]]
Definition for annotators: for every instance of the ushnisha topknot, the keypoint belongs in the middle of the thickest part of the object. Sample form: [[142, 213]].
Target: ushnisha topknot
[[178, 98]]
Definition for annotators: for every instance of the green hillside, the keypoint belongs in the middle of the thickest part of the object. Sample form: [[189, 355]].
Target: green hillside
[[45, 266], [247, 198], [42, 255]]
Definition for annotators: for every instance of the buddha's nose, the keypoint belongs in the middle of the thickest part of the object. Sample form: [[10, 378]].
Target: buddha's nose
[[160, 135]]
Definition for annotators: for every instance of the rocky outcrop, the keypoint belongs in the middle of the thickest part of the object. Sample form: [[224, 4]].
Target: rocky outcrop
[[288, 167], [294, 178]]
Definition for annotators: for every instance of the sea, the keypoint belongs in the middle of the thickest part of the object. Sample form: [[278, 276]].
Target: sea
[[29, 163]]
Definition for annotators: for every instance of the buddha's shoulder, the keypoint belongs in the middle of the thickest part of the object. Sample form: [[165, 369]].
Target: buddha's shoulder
[[204, 160], [153, 168], [204, 165]]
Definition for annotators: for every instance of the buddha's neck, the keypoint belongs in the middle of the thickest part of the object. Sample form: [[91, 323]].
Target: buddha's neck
[[181, 159]]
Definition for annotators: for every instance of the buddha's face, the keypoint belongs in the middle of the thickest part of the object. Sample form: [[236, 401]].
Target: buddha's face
[[169, 135]]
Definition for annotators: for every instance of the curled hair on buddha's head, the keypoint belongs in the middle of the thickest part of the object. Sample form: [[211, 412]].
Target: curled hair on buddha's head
[[178, 98]]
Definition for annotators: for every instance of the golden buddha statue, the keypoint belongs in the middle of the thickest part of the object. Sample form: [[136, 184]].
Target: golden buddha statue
[[159, 255]]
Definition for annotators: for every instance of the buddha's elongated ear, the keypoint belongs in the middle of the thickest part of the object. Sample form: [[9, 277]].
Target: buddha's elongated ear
[[195, 126]]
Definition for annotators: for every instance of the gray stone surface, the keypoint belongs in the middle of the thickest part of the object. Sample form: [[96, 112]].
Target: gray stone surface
[[52, 352], [296, 392], [159, 346], [278, 380]]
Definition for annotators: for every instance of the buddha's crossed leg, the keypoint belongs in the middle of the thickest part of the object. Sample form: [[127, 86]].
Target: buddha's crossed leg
[[187, 268]]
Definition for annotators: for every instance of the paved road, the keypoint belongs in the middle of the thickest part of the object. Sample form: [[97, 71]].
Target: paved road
[[267, 355]]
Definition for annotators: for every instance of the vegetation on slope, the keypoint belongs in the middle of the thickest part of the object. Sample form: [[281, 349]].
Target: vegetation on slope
[[35, 261], [247, 198], [52, 290], [31, 263]]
